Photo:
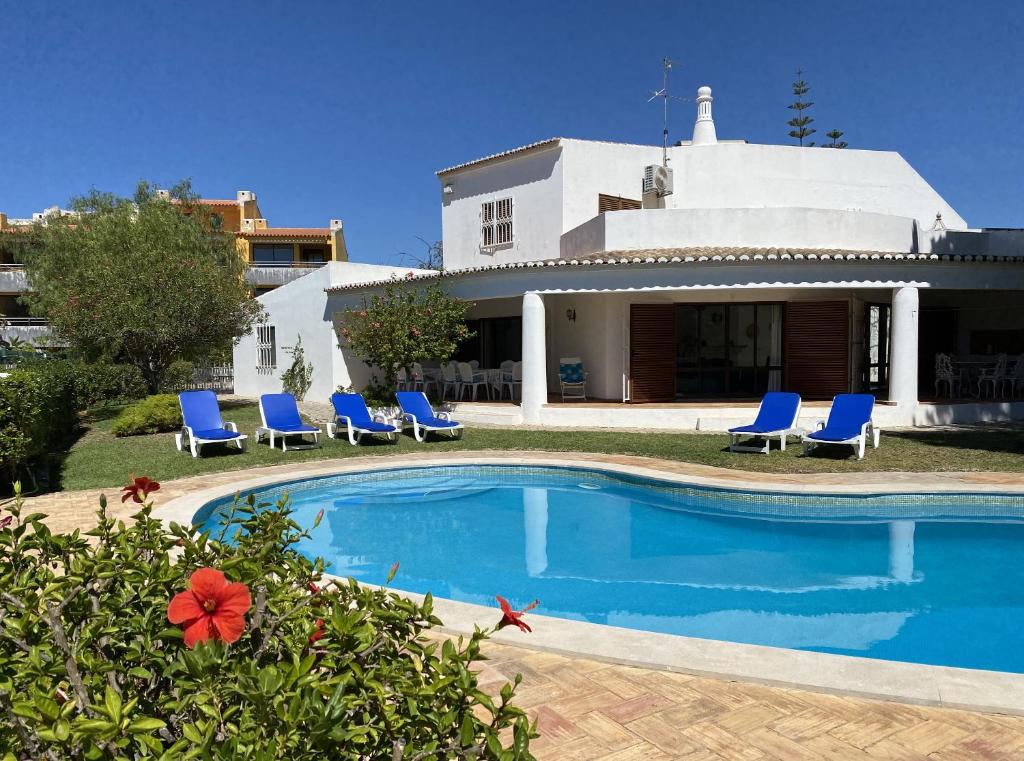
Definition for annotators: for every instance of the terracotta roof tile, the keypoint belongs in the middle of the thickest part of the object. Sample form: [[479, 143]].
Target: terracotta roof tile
[[287, 232], [698, 255]]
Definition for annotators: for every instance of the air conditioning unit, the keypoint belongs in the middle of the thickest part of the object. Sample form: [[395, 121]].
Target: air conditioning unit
[[658, 179]]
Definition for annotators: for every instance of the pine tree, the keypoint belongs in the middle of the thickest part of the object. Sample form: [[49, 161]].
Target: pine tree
[[801, 122], [836, 142]]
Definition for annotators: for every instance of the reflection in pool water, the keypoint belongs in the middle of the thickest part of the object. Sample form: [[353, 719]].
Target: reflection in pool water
[[900, 581]]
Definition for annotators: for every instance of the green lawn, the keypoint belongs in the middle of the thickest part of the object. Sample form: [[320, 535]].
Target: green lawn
[[98, 459]]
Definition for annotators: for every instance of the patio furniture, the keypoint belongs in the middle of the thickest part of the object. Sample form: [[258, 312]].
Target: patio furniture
[[1015, 378], [417, 412], [515, 381], [350, 413], [945, 374], [202, 424], [849, 422], [419, 379], [471, 378], [777, 416], [504, 374], [994, 377], [280, 414], [450, 379], [401, 379], [572, 379]]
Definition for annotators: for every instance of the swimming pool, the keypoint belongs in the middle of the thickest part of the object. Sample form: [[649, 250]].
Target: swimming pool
[[915, 578]]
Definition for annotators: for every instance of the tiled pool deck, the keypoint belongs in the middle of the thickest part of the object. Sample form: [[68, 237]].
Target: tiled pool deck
[[594, 710]]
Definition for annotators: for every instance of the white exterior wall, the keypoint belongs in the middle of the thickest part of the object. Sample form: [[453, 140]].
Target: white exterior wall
[[738, 175], [300, 309], [534, 181], [555, 189]]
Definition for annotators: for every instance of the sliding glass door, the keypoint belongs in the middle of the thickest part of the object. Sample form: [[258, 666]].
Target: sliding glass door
[[728, 350]]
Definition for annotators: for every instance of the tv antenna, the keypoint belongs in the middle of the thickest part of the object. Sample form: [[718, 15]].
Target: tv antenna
[[663, 93]]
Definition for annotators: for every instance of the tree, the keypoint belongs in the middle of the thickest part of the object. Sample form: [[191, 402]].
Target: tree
[[432, 257], [801, 122], [836, 142], [145, 281], [404, 324], [297, 379]]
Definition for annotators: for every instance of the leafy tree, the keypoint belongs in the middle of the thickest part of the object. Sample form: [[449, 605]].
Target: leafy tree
[[297, 379], [836, 142], [405, 324], [801, 122], [145, 281]]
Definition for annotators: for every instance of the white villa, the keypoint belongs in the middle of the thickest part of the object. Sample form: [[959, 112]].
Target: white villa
[[692, 282]]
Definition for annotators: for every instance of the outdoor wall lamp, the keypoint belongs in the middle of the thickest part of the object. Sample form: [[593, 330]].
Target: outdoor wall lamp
[[448, 189], [570, 314]]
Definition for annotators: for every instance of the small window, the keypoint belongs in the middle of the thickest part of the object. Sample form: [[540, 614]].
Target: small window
[[496, 223], [266, 348], [615, 203]]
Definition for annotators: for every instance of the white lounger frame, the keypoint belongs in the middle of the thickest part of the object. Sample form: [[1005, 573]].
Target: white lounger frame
[[186, 434], [271, 432], [767, 448], [858, 442], [417, 427], [355, 433]]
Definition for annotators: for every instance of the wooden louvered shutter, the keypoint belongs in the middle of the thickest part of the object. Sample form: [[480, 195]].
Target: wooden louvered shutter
[[652, 352], [615, 203], [817, 348]]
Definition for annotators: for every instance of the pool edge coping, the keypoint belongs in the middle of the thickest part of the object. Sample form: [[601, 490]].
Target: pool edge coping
[[943, 686]]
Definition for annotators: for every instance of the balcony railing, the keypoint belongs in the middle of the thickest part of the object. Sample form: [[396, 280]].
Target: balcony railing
[[13, 279], [278, 273]]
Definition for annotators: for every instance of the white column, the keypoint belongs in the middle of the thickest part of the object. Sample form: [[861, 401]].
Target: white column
[[535, 371], [535, 527], [903, 349], [901, 550]]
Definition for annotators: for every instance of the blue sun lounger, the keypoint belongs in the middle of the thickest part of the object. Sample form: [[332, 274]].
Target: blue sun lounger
[[351, 414], [416, 411], [777, 417], [202, 424], [849, 422], [280, 415]]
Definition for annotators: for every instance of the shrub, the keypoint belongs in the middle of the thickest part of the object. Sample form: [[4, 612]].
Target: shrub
[[90, 668], [178, 377], [150, 415], [37, 415], [297, 379], [105, 382]]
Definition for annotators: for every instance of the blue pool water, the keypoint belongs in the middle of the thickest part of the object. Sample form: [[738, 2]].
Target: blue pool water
[[900, 577]]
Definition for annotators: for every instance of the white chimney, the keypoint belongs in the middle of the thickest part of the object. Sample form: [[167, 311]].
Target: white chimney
[[704, 128]]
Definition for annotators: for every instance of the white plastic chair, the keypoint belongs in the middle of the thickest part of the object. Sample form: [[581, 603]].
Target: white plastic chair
[[450, 377], [514, 381], [475, 364], [470, 379], [570, 386], [1015, 379], [419, 380], [402, 380], [945, 374], [504, 374]]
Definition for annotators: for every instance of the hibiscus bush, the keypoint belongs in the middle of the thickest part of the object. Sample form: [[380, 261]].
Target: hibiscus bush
[[136, 641]]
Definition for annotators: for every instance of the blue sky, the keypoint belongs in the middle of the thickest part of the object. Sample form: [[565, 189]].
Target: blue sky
[[347, 109]]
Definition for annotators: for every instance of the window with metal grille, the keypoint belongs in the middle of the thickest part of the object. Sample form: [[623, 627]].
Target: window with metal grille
[[496, 223], [607, 202], [266, 348]]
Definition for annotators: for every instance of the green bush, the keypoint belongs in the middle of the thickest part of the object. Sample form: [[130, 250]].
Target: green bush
[[91, 668], [150, 415], [178, 377], [105, 382], [37, 415]]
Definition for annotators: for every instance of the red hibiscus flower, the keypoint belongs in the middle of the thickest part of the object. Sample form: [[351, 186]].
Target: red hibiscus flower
[[318, 631], [212, 608], [139, 489], [511, 617]]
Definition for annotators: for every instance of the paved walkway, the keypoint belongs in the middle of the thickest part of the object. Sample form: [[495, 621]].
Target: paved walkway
[[589, 710]]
